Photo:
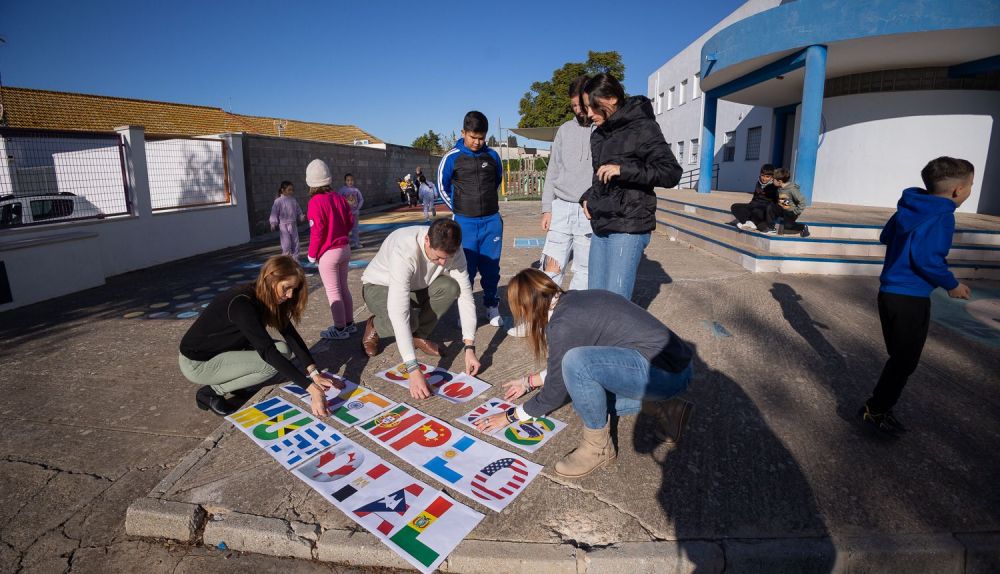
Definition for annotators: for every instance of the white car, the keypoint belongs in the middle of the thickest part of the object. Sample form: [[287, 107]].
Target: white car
[[18, 210]]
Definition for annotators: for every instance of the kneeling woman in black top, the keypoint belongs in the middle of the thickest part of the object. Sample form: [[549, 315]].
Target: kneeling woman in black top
[[228, 348], [606, 354]]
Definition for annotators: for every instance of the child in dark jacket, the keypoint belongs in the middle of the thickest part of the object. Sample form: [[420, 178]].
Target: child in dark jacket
[[790, 202], [917, 239], [760, 213]]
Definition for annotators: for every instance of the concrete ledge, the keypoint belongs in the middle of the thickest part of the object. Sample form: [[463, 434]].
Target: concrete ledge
[[257, 534], [154, 518], [486, 557], [982, 552], [656, 558], [357, 549], [914, 553], [791, 555]]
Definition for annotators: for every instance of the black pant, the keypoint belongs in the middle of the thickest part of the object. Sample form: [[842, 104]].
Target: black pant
[[790, 218], [761, 212], [905, 320]]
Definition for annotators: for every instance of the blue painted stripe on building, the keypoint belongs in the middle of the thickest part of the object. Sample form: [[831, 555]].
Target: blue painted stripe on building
[[809, 22]]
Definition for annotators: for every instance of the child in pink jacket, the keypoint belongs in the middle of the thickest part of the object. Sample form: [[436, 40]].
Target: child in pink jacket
[[330, 223]]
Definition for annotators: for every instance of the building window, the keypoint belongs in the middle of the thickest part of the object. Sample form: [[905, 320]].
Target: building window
[[680, 98], [693, 156], [670, 99], [659, 103], [680, 152], [696, 86], [753, 143], [729, 149]]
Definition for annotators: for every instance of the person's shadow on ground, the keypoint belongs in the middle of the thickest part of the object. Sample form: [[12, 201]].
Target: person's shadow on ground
[[731, 476], [649, 279]]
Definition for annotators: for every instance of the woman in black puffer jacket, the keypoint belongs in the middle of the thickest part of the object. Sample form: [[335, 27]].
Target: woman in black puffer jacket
[[630, 158]]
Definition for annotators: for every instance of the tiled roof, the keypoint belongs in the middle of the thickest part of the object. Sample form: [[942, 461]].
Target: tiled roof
[[43, 109]]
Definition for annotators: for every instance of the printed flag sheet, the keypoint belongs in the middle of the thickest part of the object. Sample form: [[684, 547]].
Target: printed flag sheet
[[349, 406], [452, 387], [528, 435], [477, 469]]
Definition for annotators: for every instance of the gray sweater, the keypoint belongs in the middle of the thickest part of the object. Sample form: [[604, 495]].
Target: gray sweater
[[594, 318], [569, 173]]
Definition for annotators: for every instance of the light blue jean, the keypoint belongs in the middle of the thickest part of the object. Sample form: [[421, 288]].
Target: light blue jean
[[569, 233], [614, 379], [614, 261]]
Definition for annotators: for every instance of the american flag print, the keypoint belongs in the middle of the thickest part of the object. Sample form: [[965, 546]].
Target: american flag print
[[517, 479]]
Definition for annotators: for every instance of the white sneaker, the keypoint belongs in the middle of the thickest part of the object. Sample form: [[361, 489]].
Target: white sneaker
[[334, 333], [747, 226], [493, 316], [519, 330]]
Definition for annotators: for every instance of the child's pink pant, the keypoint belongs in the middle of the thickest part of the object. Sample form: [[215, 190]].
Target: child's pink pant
[[333, 271]]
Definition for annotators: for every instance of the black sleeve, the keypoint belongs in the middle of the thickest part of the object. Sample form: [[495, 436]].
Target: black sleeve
[[655, 165], [243, 314]]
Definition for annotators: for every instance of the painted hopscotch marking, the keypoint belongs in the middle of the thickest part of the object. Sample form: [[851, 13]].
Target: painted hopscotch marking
[[717, 329], [529, 242]]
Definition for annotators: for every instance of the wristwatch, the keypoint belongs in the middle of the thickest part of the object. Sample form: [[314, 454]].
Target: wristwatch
[[473, 347]]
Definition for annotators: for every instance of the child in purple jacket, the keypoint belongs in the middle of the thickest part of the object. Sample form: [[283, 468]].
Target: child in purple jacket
[[356, 201], [286, 215]]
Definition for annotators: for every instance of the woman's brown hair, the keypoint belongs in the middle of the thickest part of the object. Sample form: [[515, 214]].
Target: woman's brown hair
[[529, 295], [275, 270], [321, 189]]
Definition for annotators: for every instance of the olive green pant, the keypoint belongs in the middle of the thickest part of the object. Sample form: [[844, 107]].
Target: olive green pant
[[232, 370], [427, 306]]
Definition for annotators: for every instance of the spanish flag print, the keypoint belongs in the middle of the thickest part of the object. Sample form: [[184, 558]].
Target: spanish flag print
[[406, 537]]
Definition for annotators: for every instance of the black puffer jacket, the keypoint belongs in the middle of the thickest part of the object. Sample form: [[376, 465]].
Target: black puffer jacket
[[632, 139]]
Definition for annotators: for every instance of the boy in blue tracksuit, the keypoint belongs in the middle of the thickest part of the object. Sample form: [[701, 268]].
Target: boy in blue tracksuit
[[469, 178], [917, 239]]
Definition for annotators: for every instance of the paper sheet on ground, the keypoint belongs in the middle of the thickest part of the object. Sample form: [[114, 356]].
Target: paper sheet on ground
[[477, 469], [528, 435], [349, 406], [452, 387]]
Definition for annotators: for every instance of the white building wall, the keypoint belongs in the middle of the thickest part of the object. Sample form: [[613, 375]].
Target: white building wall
[[874, 145], [683, 122]]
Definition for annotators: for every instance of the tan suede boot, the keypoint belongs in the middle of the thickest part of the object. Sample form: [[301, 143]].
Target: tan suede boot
[[672, 416], [595, 451]]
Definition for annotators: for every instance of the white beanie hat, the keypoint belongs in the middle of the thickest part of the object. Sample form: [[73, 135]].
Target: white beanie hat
[[318, 174], [407, 178]]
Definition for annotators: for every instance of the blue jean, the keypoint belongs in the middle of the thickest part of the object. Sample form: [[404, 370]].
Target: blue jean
[[569, 233], [614, 261], [482, 241], [595, 376]]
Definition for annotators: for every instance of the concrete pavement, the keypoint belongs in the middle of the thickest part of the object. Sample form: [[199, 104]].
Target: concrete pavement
[[774, 473]]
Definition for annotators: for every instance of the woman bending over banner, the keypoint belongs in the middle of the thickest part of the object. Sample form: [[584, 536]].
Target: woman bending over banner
[[604, 353], [228, 347]]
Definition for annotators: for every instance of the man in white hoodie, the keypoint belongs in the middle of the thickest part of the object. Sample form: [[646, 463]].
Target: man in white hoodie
[[569, 174]]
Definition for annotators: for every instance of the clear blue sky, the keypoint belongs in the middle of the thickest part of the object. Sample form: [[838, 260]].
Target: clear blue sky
[[395, 69]]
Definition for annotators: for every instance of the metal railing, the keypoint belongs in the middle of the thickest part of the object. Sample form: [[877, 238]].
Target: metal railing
[[690, 178], [187, 171], [51, 176]]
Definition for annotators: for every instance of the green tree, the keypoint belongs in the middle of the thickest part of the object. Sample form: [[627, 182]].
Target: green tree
[[492, 142], [546, 104], [429, 141]]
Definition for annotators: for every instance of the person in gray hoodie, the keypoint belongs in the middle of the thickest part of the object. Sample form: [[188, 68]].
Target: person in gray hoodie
[[569, 174], [791, 202]]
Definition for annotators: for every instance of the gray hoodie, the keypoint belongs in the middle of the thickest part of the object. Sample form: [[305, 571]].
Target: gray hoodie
[[570, 172]]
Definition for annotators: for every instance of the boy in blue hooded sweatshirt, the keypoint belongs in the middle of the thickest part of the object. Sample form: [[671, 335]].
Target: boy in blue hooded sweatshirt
[[917, 239], [469, 178]]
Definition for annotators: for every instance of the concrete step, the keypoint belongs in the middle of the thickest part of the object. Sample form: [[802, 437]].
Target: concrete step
[[762, 261], [825, 230], [795, 245]]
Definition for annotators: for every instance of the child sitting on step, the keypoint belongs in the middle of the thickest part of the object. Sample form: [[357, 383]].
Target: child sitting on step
[[791, 202]]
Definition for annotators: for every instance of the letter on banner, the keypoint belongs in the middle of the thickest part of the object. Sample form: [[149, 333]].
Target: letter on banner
[[393, 503], [482, 488], [430, 434], [387, 425], [334, 464], [407, 536], [439, 466]]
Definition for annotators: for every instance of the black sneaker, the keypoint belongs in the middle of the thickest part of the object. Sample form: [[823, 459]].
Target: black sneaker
[[209, 400], [805, 232], [891, 420], [879, 421]]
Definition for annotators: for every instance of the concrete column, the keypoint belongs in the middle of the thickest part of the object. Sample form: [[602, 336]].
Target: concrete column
[[707, 143], [812, 111], [135, 169]]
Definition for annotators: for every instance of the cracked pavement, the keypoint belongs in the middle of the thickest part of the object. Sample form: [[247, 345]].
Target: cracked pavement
[[98, 414]]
